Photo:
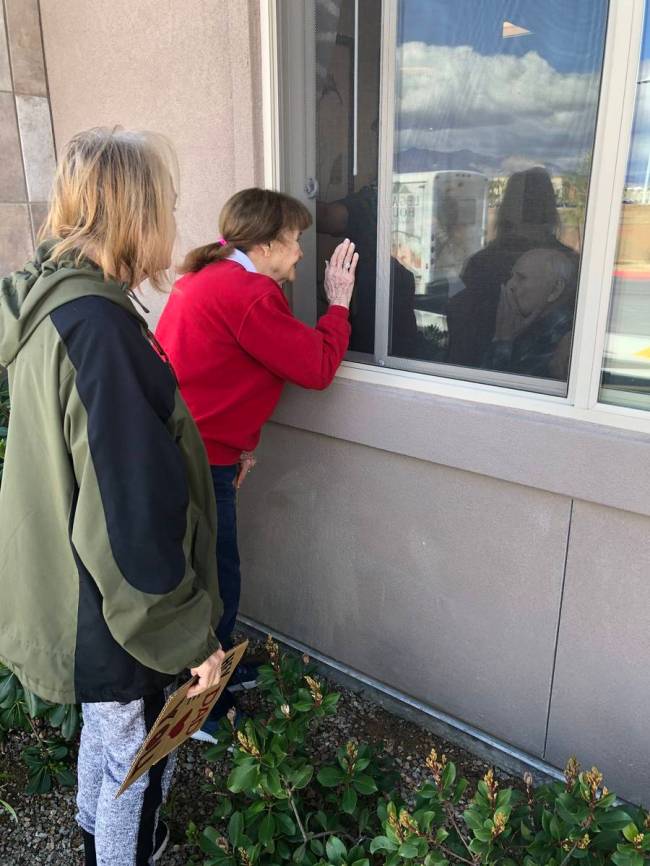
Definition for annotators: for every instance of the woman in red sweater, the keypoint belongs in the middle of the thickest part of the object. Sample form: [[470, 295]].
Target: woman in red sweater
[[234, 342]]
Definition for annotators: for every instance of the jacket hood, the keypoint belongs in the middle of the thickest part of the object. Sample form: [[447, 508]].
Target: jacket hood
[[29, 295]]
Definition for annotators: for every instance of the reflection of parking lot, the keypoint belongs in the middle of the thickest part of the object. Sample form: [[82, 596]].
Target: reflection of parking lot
[[627, 349]]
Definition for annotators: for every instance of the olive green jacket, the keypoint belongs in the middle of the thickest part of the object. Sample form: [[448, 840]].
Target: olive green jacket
[[108, 584]]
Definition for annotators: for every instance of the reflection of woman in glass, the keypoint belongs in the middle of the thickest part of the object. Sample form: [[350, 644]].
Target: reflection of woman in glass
[[527, 219]]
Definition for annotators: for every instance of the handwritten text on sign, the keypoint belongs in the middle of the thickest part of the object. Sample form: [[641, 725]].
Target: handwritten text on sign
[[179, 719]]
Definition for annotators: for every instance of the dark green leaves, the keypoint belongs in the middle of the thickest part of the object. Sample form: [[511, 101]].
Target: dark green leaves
[[244, 776]]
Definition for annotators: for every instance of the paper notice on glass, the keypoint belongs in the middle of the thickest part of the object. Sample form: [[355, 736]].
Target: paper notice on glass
[[179, 719]]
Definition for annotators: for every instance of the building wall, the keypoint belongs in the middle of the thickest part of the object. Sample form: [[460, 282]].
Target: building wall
[[187, 70], [488, 562], [26, 146]]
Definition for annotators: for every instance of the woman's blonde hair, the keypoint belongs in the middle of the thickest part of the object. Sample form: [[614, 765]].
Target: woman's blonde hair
[[112, 202], [250, 217]]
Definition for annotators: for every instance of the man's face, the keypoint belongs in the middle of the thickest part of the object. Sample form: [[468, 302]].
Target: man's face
[[531, 284]]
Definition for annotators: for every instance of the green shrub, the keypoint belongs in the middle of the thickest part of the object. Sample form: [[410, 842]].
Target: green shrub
[[48, 758], [279, 805]]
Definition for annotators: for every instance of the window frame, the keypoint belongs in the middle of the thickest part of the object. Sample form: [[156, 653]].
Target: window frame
[[289, 160]]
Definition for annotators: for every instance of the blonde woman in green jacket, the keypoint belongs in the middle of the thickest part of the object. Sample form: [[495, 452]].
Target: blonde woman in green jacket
[[107, 514]]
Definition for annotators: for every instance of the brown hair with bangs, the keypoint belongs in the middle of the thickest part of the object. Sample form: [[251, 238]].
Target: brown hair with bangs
[[250, 217], [113, 201]]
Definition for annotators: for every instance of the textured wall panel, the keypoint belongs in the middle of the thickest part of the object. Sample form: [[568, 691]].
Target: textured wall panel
[[441, 583], [601, 696]]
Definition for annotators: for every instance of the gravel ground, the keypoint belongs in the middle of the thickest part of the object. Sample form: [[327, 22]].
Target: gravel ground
[[47, 834]]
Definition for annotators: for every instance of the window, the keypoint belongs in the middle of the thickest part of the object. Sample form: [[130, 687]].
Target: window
[[494, 116], [625, 377], [476, 152], [348, 40]]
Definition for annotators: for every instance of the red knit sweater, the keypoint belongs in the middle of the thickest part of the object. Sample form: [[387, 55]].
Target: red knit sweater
[[233, 342]]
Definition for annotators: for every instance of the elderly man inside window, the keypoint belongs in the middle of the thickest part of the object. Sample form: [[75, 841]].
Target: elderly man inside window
[[534, 318]]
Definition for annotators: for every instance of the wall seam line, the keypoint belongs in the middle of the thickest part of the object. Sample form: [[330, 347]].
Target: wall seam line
[[557, 632], [47, 79], [20, 135]]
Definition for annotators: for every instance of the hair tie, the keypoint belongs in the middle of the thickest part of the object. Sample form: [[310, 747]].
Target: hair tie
[[222, 242]]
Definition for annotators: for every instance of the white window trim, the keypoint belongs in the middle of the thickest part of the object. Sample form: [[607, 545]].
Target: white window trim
[[611, 153]]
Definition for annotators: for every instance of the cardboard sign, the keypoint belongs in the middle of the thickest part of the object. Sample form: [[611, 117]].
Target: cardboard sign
[[180, 718]]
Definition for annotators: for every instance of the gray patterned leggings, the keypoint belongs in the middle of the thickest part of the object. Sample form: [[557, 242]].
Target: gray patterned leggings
[[112, 734]]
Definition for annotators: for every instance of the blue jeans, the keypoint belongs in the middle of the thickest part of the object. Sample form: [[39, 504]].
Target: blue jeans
[[223, 478]]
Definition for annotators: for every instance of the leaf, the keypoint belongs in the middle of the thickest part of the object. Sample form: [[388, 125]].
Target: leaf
[[9, 809], [8, 689], [57, 751], [57, 715], [424, 819], [321, 819], [435, 858], [40, 782], [503, 798], [330, 777], [614, 819], [408, 850], [335, 850], [554, 828], [382, 843], [243, 777], [273, 784], [364, 820], [266, 829], [330, 701], [630, 832], [299, 854], [70, 724], [449, 775], [255, 809], [302, 777], [461, 786], [349, 801], [209, 843], [235, 829], [65, 777], [317, 847], [33, 703], [283, 850], [476, 846], [285, 823], [365, 784], [473, 819]]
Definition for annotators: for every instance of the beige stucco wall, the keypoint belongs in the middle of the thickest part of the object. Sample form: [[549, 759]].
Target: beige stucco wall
[[189, 70]]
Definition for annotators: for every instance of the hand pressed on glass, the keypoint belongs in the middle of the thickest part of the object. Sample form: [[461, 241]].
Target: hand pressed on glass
[[339, 274]]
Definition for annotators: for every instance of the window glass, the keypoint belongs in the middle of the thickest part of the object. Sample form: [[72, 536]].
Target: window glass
[[348, 42], [495, 117], [626, 363]]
